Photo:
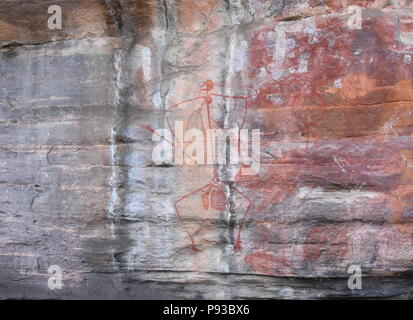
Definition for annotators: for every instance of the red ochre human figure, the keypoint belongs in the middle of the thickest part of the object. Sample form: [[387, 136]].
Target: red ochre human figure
[[213, 194]]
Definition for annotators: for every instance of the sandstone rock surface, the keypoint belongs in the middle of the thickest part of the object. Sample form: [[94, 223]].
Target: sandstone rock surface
[[79, 188]]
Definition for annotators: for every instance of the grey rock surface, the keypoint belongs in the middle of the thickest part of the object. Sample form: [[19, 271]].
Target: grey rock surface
[[79, 188]]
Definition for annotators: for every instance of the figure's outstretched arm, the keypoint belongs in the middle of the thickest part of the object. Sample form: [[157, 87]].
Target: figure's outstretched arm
[[233, 97], [144, 126], [180, 143], [185, 101], [238, 97]]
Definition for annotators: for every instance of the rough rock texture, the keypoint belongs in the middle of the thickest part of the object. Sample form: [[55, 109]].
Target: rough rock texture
[[79, 189]]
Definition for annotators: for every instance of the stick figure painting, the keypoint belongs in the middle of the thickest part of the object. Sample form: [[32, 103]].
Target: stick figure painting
[[219, 197]]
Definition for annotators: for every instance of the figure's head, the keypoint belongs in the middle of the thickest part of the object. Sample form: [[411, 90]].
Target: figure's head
[[207, 85]]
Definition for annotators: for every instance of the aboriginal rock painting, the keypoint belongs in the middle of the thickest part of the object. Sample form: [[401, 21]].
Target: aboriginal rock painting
[[207, 112], [335, 116]]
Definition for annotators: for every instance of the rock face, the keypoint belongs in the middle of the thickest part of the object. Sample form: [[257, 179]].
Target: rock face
[[327, 82]]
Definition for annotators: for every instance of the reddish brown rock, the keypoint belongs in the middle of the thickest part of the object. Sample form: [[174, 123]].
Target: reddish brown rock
[[79, 187]]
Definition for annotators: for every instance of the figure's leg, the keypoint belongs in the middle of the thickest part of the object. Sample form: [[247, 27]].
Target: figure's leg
[[238, 241], [179, 215]]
